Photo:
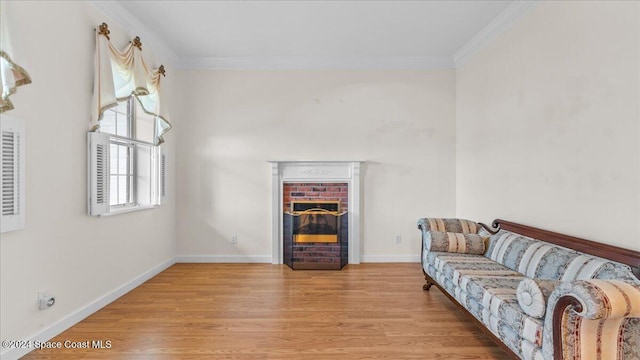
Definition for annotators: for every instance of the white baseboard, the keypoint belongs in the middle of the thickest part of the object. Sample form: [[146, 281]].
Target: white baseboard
[[267, 259], [390, 258], [57, 328], [223, 259]]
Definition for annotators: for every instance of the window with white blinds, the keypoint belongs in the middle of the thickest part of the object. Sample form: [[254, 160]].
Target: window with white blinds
[[126, 173], [12, 178]]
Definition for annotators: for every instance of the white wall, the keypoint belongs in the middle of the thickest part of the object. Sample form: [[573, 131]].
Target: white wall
[[400, 122], [548, 123], [79, 258]]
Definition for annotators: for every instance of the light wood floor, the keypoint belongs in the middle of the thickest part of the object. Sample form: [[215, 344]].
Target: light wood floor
[[260, 311]]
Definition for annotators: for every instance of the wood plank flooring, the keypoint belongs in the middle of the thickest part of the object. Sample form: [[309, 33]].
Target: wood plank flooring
[[261, 311]]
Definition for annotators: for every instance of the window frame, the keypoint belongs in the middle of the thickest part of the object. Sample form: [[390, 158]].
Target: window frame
[[152, 174], [129, 173]]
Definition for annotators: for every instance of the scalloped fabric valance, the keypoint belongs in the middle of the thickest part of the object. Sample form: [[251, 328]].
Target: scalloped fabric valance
[[12, 75], [122, 74]]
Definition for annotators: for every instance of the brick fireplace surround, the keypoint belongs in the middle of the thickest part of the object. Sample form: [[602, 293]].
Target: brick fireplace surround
[[310, 180], [315, 191]]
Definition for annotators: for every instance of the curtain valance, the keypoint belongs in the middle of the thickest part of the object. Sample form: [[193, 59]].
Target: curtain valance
[[122, 74], [12, 75]]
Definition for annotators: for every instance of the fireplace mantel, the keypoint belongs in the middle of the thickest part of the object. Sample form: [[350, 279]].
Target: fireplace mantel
[[315, 171]]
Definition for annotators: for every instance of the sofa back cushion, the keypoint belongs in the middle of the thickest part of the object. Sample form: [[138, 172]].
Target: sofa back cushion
[[543, 260], [455, 242], [449, 225]]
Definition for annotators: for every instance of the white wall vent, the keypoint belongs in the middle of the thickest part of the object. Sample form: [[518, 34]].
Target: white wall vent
[[12, 167]]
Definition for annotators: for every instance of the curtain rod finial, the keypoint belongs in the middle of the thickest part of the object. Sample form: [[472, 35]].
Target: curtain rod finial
[[103, 29], [137, 43]]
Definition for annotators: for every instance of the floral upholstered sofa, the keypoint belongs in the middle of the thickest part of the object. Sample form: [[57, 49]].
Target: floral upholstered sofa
[[538, 294]]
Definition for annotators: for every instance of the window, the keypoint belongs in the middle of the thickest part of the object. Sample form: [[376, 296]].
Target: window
[[127, 172]]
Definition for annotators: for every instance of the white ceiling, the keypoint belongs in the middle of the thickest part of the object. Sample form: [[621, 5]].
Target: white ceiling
[[293, 34]]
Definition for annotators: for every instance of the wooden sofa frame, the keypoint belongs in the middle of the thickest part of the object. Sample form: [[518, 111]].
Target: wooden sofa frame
[[621, 255]]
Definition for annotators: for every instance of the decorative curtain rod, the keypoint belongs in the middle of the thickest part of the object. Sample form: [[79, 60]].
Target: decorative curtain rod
[[103, 29], [127, 68]]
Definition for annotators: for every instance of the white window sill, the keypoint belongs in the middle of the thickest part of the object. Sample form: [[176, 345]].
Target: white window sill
[[124, 210]]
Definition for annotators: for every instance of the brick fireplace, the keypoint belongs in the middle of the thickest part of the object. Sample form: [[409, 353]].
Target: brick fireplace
[[316, 226], [317, 183]]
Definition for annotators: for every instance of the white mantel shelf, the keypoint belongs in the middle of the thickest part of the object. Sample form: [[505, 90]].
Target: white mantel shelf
[[315, 171]]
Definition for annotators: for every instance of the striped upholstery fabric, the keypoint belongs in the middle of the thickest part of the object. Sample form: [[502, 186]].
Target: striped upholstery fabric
[[488, 290], [449, 225], [487, 286], [542, 260], [455, 242], [607, 328]]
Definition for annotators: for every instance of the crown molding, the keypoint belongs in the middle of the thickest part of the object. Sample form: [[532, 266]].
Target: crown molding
[[319, 63], [135, 27], [502, 22], [514, 12]]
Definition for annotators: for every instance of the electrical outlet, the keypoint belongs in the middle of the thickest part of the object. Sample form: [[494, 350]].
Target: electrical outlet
[[234, 239], [45, 300], [398, 239]]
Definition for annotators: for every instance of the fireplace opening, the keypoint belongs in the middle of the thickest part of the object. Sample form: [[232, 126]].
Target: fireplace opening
[[315, 221]]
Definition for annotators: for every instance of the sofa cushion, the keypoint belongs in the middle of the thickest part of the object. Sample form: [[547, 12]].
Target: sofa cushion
[[499, 303], [491, 296], [542, 260], [479, 287], [488, 291], [455, 242], [450, 225], [453, 265], [533, 295], [494, 297]]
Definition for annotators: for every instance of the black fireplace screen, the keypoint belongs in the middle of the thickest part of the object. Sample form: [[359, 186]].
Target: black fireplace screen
[[315, 235]]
